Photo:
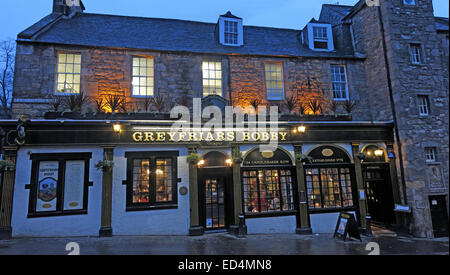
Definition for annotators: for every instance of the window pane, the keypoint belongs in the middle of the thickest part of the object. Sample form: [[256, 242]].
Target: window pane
[[141, 181], [212, 78], [47, 186], [69, 73], [274, 81], [142, 80], [74, 185], [164, 180]]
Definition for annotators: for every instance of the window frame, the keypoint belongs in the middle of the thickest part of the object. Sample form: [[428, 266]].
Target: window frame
[[139, 76], [412, 53], [420, 105], [57, 72], [240, 31], [311, 40], [221, 77], [294, 191], [433, 151], [62, 159], [282, 97], [347, 90], [152, 204], [353, 187]]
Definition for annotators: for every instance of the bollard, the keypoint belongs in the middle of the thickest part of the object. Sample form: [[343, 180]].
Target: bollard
[[368, 226], [242, 227]]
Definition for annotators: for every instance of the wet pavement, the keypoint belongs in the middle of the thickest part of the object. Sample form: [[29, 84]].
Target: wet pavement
[[225, 244]]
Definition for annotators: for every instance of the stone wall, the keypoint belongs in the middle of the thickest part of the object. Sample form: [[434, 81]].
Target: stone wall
[[178, 77]]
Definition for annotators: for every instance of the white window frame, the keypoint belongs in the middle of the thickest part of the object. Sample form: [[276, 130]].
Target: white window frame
[[142, 76], [67, 73], [281, 97], [339, 82], [414, 54], [423, 103], [240, 31], [206, 77], [329, 40], [430, 154]]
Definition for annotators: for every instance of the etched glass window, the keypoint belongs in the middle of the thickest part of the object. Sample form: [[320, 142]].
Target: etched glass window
[[68, 73]]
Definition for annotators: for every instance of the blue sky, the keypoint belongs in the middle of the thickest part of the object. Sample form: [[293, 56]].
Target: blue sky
[[17, 15]]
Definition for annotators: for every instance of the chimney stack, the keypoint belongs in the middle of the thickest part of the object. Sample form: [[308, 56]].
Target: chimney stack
[[67, 7]]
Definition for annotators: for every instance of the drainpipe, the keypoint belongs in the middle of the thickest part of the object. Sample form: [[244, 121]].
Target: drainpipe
[[394, 113]]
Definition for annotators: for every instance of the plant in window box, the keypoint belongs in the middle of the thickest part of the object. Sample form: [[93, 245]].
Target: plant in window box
[[6, 165], [303, 158], [105, 165], [193, 158]]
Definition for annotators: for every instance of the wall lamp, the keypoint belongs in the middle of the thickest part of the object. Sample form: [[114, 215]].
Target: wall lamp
[[117, 128]]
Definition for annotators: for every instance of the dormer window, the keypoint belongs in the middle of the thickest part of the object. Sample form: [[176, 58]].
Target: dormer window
[[231, 31], [320, 37]]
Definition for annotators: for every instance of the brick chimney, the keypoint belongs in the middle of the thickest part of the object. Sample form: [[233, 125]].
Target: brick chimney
[[68, 6]]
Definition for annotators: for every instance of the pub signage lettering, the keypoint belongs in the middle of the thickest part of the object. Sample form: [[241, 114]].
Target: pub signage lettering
[[168, 136]]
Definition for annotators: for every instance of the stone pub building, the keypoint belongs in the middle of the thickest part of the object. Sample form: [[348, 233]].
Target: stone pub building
[[362, 93]]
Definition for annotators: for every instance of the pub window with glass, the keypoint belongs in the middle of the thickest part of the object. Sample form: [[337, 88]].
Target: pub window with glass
[[59, 184], [268, 190], [143, 76], [151, 181], [68, 73]]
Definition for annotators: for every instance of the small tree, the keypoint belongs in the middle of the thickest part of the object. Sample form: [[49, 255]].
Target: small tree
[[291, 103], [7, 52], [349, 106]]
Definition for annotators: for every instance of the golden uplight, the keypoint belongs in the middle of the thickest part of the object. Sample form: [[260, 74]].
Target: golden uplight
[[117, 128], [378, 153], [229, 162], [201, 162], [301, 129]]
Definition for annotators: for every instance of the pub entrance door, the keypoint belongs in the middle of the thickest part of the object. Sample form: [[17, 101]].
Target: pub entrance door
[[379, 193], [215, 198], [439, 216]]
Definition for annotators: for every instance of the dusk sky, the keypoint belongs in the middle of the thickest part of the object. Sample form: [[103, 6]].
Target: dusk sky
[[17, 15]]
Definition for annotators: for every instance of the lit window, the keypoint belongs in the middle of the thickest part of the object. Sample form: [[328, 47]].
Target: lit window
[[320, 37], [268, 190], [329, 188], [231, 32], [409, 2], [212, 78], [424, 105], [339, 82], [151, 179], [143, 76], [416, 53], [274, 81], [430, 154], [68, 73]]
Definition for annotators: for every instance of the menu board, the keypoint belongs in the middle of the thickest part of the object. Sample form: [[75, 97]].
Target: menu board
[[346, 226], [74, 185], [47, 186]]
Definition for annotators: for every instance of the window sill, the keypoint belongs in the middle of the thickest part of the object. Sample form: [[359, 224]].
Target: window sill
[[331, 210], [150, 208], [432, 162], [57, 214], [270, 214]]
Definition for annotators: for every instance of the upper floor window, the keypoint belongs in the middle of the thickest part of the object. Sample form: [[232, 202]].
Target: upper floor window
[[68, 73], [409, 2], [339, 82], [274, 81], [424, 105], [416, 53], [151, 180], [231, 31], [143, 76], [430, 154], [59, 184], [212, 78], [320, 37]]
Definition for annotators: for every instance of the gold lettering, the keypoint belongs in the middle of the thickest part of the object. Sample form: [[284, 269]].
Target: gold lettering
[[220, 136], [161, 136], [230, 136], [283, 136], [171, 136], [181, 136], [149, 136], [256, 136], [192, 136], [209, 137], [137, 136], [274, 136], [265, 136], [245, 136]]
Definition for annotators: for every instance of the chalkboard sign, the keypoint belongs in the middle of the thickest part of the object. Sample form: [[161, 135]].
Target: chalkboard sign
[[346, 226]]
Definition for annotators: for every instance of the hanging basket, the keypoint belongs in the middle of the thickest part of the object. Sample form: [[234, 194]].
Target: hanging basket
[[105, 166], [7, 165]]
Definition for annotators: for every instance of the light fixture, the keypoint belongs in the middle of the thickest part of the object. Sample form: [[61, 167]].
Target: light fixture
[[201, 163], [378, 153], [159, 172], [117, 128], [229, 162], [301, 129]]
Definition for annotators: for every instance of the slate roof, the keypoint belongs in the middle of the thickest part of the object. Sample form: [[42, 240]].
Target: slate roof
[[441, 23], [334, 14], [100, 30]]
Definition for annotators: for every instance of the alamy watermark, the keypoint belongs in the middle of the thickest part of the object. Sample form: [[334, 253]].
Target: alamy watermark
[[373, 3]]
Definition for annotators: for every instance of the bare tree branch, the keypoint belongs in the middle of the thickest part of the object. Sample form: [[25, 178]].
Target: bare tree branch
[[7, 52]]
